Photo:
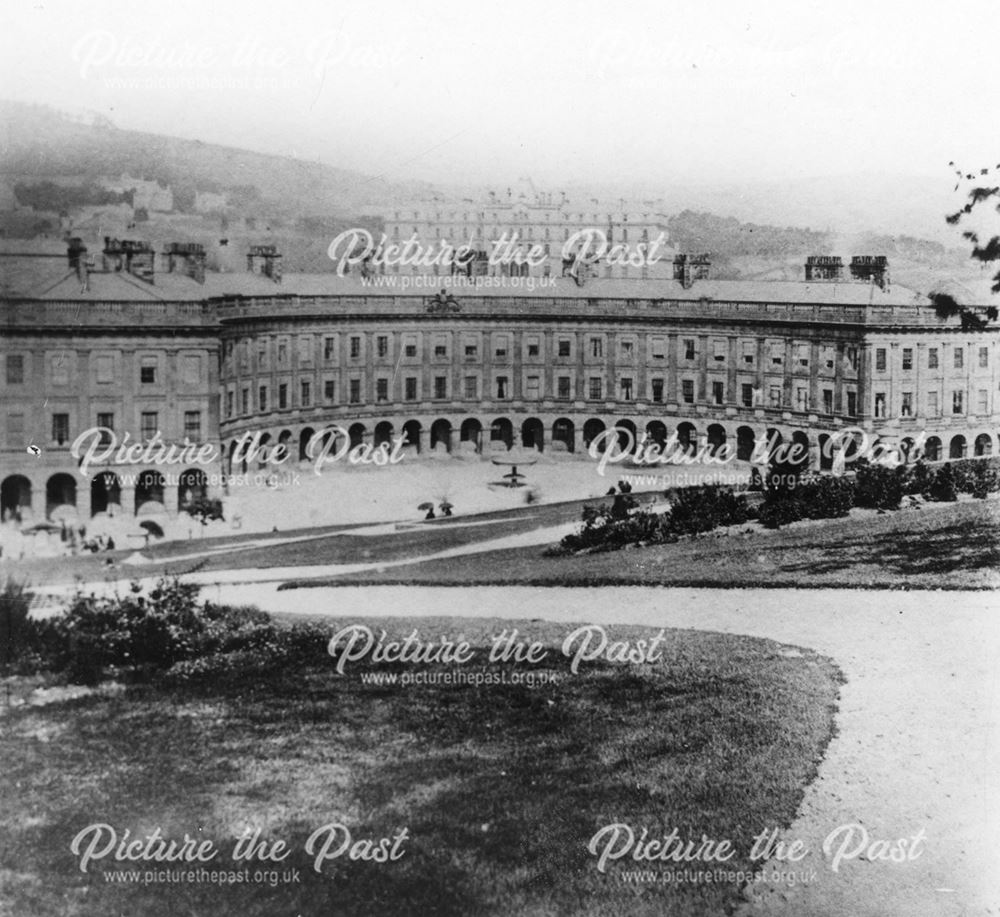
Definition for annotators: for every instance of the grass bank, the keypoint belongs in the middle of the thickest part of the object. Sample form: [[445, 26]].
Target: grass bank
[[937, 546], [500, 786]]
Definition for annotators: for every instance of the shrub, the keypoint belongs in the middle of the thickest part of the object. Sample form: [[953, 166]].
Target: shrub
[[16, 627], [943, 489], [810, 498], [878, 487]]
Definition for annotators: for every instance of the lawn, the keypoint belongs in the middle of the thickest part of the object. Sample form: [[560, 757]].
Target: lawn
[[939, 546], [499, 786]]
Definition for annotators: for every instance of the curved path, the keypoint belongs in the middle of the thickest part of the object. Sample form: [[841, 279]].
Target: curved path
[[917, 747]]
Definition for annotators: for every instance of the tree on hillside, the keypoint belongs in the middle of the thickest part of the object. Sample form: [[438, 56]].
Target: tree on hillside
[[979, 192]]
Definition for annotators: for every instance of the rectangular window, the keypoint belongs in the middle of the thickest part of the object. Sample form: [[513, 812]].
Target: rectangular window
[[230, 397], [472, 387], [262, 398], [595, 388], [564, 347], [959, 357], [626, 349], [105, 369], [802, 354], [411, 350], [15, 369], [720, 350], [749, 352], [718, 392], [60, 428], [658, 348], [775, 396], [626, 387], [329, 391], [984, 357], [501, 386], [147, 374], [305, 348], [382, 345], [60, 371], [381, 389], [283, 353], [355, 347], [852, 404], [328, 351], [932, 358], [192, 425], [689, 352], [906, 406], [410, 388], [802, 399], [440, 387], [596, 347], [958, 402], [746, 394], [533, 347], [658, 391], [982, 401], [828, 401], [283, 396], [440, 348], [354, 392], [15, 429], [852, 357], [880, 359], [880, 405], [262, 354], [149, 423], [471, 351], [907, 358], [245, 401], [532, 388], [932, 404], [500, 351], [687, 391], [563, 388], [777, 350]]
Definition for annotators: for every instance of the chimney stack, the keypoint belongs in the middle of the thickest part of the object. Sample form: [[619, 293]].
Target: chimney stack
[[77, 254], [689, 268], [264, 259], [133, 257], [186, 258], [871, 269], [824, 267]]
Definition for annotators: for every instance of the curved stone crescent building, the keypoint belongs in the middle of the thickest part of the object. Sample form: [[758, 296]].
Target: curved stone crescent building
[[183, 356]]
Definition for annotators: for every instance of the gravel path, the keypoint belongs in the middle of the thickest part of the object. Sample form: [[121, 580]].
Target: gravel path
[[917, 748]]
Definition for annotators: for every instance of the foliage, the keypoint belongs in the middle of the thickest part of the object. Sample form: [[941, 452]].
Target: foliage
[[16, 627], [943, 488], [810, 498], [877, 486], [204, 509], [979, 192], [144, 634]]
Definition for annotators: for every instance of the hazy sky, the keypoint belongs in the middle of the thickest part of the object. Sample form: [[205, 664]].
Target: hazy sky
[[655, 92]]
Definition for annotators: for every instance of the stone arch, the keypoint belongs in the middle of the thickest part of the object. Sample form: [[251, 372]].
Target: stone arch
[[502, 431], [628, 435], [471, 431], [60, 493], [264, 444], [802, 454], [533, 434], [383, 433], [283, 450], [356, 434], [192, 486], [564, 431], [656, 432], [687, 437], [746, 439], [105, 492], [149, 489], [983, 445], [15, 497], [716, 436], [305, 435], [932, 449], [441, 433], [592, 428], [412, 431], [958, 447], [825, 452]]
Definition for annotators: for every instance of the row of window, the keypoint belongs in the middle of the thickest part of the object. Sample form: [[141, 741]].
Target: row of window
[[106, 369], [932, 406], [596, 389], [149, 424], [533, 348], [933, 358]]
